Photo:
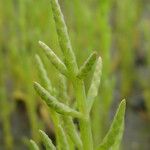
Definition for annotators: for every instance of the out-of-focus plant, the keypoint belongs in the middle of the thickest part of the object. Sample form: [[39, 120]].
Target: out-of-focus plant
[[18, 52], [5, 119], [17, 28], [145, 83], [5, 107], [127, 14], [30, 98], [103, 101], [58, 105]]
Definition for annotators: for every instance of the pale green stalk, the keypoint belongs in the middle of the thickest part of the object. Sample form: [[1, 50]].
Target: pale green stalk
[[63, 38], [85, 125], [63, 139], [67, 121], [70, 61]]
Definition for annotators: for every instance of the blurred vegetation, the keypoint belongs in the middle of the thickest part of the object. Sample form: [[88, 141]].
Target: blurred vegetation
[[118, 30]]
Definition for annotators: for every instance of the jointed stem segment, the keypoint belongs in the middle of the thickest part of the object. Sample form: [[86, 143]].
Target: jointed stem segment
[[72, 67]]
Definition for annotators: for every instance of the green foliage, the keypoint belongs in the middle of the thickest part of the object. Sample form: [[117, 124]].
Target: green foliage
[[47, 141], [87, 66], [93, 90], [70, 128], [53, 103], [33, 145], [91, 24], [59, 104], [113, 138], [54, 59], [63, 139], [63, 37], [68, 123]]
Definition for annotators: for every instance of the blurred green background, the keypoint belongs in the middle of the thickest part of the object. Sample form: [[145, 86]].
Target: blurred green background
[[119, 30]]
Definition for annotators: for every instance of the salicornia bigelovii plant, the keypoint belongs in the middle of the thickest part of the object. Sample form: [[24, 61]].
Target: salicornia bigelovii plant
[[67, 135]]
